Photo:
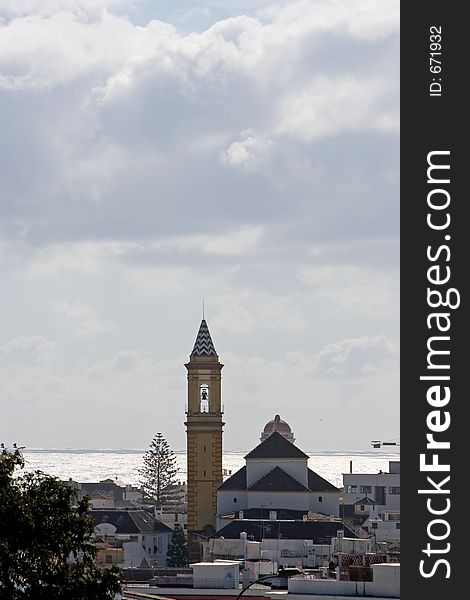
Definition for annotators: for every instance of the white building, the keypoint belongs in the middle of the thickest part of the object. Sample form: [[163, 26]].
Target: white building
[[276, 476], [137, 528], [382, 490], [219, 575], [385, 584], [385, 528]]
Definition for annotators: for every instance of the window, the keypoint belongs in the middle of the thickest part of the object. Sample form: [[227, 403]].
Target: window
[[109, 559], [320, 499], [374, 525], [394, 489], [362, 507], [365, 489], [235, 500], [397, 525], [352, 489], [159, 544], [204, 398]]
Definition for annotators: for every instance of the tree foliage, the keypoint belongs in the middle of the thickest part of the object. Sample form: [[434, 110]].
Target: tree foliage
[[40, 531], [159, 473], [177, 553]]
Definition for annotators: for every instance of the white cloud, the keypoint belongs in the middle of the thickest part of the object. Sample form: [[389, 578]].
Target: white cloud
[[134, 385], [354, 288], [27, 352], [81, 319], [148, 163], [357, 357], [247, 310], [328, 106], [250, 153]]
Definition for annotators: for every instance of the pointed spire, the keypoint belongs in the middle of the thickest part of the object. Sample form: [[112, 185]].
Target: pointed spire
[[203, 346]]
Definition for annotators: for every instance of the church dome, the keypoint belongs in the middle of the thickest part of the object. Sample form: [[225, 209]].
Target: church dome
[[277, 424]]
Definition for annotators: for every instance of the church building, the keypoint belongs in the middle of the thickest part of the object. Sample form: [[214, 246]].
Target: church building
[[276, 477]]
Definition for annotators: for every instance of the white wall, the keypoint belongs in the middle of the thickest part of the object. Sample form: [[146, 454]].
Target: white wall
[[386, 531], [296, 552], [385, 584], [134, 554], [256, 468], [155, 546], [169, 520], [223, 575], [226, 503], [328, 505]]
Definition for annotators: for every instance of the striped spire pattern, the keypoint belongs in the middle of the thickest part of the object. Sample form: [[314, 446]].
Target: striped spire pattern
[[203, 346]]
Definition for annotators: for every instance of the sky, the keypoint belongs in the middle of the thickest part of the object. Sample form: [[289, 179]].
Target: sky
[[156, 153]]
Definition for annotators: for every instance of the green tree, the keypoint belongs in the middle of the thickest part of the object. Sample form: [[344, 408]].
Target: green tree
[[159, 474], [40, 531], [177, 554]]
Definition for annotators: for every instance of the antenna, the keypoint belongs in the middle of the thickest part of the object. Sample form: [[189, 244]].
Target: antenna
[[203, 309]]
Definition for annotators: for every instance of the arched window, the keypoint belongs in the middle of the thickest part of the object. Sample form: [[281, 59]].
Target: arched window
[[204, 398]]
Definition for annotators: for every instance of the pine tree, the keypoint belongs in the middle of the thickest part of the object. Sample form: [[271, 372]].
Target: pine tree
[[177, 553], [158, 474]]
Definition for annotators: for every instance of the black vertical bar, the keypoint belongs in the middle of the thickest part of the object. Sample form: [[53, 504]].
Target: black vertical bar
[[433, 119]]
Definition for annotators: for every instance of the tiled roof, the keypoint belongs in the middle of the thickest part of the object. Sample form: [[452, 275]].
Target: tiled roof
[[277, 480], [319, 531], [203, 346], [318, 484], [365, 500], [276, 446], [236, 482], [129, 521], [107, 488]]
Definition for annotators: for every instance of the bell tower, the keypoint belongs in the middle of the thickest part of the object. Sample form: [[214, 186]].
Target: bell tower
[[203, 433]]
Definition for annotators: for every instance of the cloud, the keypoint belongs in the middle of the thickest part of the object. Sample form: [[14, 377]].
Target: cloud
[[250, 153], [344, 379], [329, 106], [155, 154], [27, 352], [353, 288], [356, 357], [249, 310], [81, 319]]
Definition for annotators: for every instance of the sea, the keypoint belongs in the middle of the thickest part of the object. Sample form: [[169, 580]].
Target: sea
[[122, 465]]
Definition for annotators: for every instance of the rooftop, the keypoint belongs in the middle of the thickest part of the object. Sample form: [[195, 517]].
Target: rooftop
[[203, 346], [276, 446]]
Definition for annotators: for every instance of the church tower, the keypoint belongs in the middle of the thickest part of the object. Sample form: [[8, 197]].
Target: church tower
[[203, 433]]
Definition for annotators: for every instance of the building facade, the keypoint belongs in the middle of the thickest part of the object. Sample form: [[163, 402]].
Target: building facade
[[379, 490], [276, 477]]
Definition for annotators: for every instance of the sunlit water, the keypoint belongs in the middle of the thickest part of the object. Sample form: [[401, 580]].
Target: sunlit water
[[85, 465]]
